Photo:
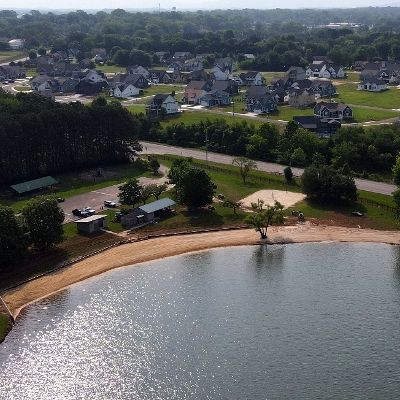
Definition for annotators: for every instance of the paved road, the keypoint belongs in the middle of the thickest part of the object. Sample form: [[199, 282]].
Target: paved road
[[155, 148]]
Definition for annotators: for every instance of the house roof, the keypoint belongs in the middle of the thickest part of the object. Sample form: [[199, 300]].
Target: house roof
[[91, 219], [157, 205], [198, 85], [158, 99], [249, 75], [34, 184], [256, 91], [330, 106], [223, 85]]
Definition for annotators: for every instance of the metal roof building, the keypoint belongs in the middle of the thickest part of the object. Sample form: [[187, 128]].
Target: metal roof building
[[35, 184], [157, 205]]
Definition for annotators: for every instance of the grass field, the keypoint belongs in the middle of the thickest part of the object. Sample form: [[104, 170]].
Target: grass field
[[193, 117], [11, 55], [389, 99], [22, 88], [110, 69], [156, 89]]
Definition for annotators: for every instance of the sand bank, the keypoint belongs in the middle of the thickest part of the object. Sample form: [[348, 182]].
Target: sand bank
[[139, 252]]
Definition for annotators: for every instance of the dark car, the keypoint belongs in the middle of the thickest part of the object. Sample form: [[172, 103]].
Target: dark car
[[76, 212], [60, 199]]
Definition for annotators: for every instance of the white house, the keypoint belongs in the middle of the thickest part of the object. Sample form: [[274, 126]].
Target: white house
[[163, 103], [372, 84], [94, 77], [252, 78], [322, 69], [16, 44], [124, 90], [220, 74]]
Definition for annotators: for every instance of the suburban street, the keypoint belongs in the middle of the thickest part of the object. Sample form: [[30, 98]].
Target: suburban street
[[155, 148]]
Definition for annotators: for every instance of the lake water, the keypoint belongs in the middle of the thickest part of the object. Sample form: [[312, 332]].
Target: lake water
[[312, 321]]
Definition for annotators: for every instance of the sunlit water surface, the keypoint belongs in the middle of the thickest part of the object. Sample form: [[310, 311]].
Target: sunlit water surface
[[315, 321]]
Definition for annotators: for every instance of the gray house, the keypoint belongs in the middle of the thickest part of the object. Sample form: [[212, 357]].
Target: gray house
[[147, 213]]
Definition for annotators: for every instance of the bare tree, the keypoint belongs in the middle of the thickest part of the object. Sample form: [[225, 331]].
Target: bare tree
[[245, 166]]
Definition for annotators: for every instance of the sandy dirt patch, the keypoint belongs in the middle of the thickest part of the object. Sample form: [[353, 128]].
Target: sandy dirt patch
[[139, 252], [287, 199]]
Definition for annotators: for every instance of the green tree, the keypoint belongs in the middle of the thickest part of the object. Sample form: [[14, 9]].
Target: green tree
[[44, 218], [396, 171], [299, 157], [196, 188], [130, 193], [146, 193], [13, 244], [262, 217], [158, 190], [288, 174], [245, 166], [154, 165], [228, 203], [32, 55]]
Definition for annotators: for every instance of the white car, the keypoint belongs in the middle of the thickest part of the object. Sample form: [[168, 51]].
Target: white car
[[89, 210]]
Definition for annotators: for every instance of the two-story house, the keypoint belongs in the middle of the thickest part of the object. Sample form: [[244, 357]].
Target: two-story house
[[339, 111]]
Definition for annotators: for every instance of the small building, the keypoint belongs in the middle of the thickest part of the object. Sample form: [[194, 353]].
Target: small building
[[147, 213], [163, 104], [16, 44], [92, 224], [321, 127], [372, 84], [35, 184]]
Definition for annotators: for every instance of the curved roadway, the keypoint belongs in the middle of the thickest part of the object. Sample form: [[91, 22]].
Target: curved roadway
[[156, 148]]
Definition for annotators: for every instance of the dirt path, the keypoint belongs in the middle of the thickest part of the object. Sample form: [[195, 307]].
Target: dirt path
[[139, 252]]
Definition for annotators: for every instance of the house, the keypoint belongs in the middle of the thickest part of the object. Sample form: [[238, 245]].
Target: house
[[252, 78], [163, 104], [124, 90], [196, 89], [192, 64], [324, 69], [11, 72], [301, 98], [159, 76], [323, 88], [175, 66], [181, 55], [67, 84], [89, 88], [100, 55], [229, 86], [220, 74], [225, 64], [147, 213], [322, 127], [259, 100], [372, 84], [139, 70], [338, 111], [163, 56], [16, 44], [295, 73], [214, 98], [92, 224], [42, 83], [94, 76], [199, 75], [359, 65], [137, 80], [264, 105], [249, 56]]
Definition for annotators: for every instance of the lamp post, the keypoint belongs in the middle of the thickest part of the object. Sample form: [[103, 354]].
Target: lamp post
[[233, 108]]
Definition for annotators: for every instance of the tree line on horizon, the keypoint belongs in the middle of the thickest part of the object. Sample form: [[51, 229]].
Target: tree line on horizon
[[278, 38]]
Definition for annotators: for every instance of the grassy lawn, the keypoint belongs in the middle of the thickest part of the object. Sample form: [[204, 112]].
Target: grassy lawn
[[31, 72], [156, 89], [75, 183], [4, 326], [110, 69], [389, 99], [11, 55], [22, 88], [137, 108], [270, 75], [365, 114], [194, 117]]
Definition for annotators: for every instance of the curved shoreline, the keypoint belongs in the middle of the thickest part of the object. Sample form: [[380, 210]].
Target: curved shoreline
[[144, 251]]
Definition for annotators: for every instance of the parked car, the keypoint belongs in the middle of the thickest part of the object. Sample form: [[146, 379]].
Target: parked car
[[109, 203], [357, 213], [88, 210], [60, 199], [76, 212]]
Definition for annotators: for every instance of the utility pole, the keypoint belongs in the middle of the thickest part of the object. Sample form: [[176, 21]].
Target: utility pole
[[233, 108], [206, 145]]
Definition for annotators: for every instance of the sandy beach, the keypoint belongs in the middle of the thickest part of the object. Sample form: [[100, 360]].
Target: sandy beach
[[139, 252]]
